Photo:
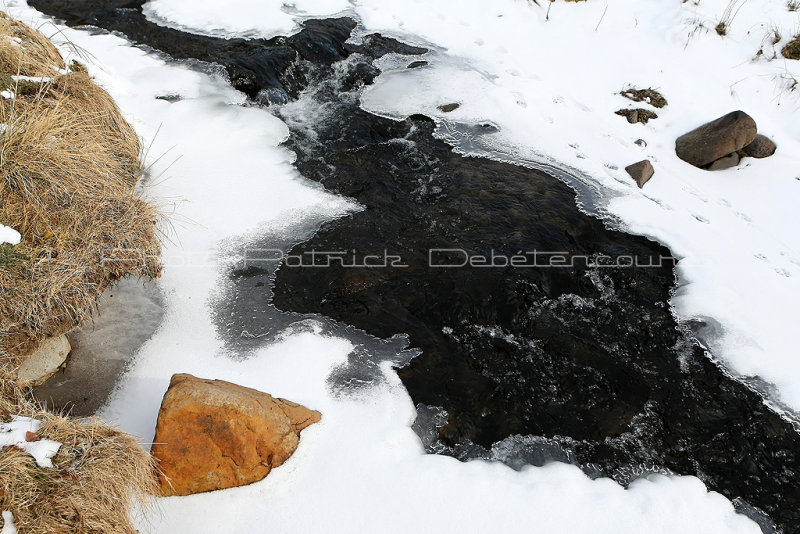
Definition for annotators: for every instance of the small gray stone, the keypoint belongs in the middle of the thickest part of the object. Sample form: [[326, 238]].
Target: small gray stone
[[731, 160], [43, 363], [761, 147], [447, 108], [641, 172]]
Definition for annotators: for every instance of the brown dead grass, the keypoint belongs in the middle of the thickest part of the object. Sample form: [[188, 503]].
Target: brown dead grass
[[792, 49], [90, 490], [68, 165], [25, 51]]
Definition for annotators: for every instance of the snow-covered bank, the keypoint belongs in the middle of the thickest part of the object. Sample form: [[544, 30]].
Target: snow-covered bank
[[361, 469], [549, 77]]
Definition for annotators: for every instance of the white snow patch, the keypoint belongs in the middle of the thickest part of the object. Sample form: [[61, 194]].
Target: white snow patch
[[34, 79], [7, 234], [14, 434], [239, 18], [8, 523]]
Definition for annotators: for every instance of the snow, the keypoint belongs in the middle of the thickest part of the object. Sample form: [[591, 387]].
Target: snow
[[219, 170], [7, 234], [732, 230], [14, 434], [8, 524], [33, 79], [265, 18], [553, 100]]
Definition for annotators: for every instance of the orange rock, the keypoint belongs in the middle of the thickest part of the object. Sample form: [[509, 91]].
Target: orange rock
[[213, 435]]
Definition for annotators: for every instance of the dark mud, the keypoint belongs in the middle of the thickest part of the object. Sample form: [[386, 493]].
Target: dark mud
[[525, 364]]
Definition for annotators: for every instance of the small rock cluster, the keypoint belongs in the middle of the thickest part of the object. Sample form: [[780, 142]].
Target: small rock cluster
[[716, 145], [721, 143], [648, 96]]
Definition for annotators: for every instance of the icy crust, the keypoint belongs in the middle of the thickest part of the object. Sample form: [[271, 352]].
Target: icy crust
[[218, 168], [20, 433], [239, 18]]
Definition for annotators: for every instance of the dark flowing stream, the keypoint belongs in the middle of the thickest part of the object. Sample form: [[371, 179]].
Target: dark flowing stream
[[527, 363]]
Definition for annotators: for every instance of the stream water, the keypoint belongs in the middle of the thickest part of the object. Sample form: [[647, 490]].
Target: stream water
[[567, 354]]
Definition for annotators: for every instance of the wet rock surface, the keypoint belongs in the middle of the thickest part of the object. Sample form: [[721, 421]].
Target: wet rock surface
[[45, 362], [525, 364]]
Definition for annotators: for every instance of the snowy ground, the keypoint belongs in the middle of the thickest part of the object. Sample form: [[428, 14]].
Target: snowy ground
[[551, 86]]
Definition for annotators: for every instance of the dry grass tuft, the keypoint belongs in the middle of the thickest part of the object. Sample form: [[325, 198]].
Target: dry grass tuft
[[25, 51], [792, 49], [97, 474], [728, 15], [68, 165]]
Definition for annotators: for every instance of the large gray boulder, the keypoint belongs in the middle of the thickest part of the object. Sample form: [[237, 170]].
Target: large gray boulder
[[716, 139]]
